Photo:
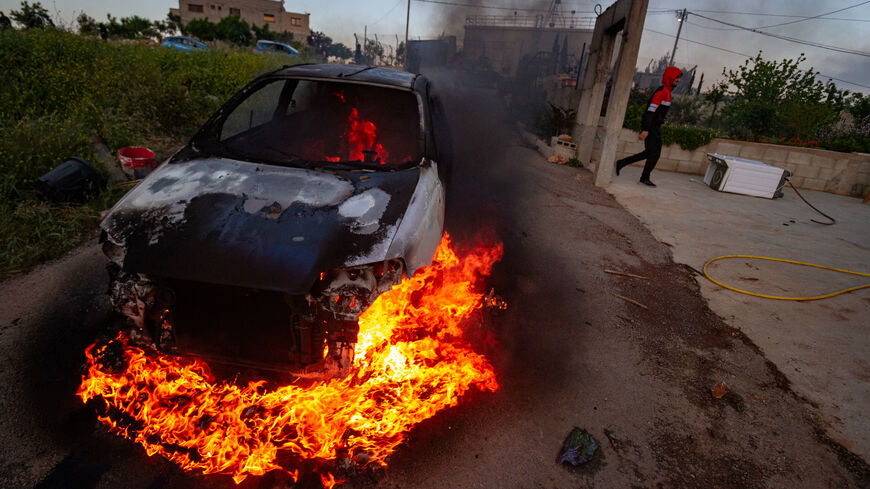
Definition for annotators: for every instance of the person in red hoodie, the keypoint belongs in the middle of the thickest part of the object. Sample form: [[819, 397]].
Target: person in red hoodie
[[651, 124]]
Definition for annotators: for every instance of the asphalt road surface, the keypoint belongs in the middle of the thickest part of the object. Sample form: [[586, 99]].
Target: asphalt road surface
[[570, 354]]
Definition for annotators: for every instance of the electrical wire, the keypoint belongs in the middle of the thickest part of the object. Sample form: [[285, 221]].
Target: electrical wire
[[833, 221], [786, 38], [388, 13], [814, 17], [776, 297], [749, 56], [761, 14], [800, 19]]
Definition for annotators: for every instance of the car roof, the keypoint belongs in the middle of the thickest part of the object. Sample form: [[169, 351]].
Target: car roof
[[362, 73]]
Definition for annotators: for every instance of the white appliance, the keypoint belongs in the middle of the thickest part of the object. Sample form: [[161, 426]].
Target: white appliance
[[743, 176]]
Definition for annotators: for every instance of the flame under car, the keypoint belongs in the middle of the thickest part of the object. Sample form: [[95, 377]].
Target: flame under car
[[309, 193]]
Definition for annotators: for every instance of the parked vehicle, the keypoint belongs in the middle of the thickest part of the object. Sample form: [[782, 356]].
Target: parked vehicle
[[184, 43], [273, 47], [308, 194]]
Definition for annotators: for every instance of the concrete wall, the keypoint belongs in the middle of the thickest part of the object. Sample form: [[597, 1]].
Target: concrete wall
[[812, 169], [254, 12]]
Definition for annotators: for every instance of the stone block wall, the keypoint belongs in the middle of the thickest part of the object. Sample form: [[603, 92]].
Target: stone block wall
[[812, 169]]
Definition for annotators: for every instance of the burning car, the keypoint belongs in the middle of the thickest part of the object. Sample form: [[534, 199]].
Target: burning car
[[308, 194]]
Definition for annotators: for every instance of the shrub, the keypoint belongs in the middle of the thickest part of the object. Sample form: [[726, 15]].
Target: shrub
[[688, 137], [778, 99]]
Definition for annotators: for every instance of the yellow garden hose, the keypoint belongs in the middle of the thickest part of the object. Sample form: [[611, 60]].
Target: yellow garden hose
[[735, 289]]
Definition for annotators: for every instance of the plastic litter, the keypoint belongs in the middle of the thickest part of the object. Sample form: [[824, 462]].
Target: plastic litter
[[70, 181], [137, 161], [578, 448]]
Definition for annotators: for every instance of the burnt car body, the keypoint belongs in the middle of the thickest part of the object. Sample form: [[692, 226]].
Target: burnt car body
[[309, 193]]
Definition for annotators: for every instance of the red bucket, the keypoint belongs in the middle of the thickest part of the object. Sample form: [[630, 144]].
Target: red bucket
[[137, 161]]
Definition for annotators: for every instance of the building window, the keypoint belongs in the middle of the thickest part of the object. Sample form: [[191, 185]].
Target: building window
[[212, 7], [268, 18], [295, 21], [235, 11], [194, 7]]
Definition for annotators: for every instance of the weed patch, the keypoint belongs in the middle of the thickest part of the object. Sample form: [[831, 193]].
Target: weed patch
[[60, 90]]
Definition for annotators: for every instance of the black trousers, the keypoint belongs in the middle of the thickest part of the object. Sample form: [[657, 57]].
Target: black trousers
[[652, 150]]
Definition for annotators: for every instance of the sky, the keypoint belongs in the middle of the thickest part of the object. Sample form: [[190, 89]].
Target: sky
[[706, 43]]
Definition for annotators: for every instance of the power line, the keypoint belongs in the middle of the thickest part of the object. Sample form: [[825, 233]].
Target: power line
[[760, 14], [749, 56], [698, 42], [815, 16], [786, 38], [388, 13], [799, 17]]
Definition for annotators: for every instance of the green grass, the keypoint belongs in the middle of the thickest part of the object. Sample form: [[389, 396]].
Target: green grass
[[35, 231], [59, 90]]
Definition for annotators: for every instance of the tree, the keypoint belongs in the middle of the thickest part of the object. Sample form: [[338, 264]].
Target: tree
[[135, 27], [714, 97], [235, 30], [339, 50], [263, 33], [171, 25], [87, 25], [202, 29], [31, 15], [319, 42], [778, 99]]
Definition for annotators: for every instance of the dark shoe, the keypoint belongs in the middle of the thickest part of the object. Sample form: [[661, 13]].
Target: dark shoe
[[648, 183]]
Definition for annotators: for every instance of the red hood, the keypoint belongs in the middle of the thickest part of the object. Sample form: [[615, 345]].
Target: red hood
[[671, 73]]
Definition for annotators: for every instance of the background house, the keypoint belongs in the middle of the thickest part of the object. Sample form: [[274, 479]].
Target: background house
[[254, 12]]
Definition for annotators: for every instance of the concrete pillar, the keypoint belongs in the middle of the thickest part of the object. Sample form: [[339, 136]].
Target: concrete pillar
[[620, 91], [626, 16], [592, 93]]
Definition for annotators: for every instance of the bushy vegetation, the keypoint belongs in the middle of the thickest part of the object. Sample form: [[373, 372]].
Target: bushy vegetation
[[778, 99], [688, 137], [60, 90]]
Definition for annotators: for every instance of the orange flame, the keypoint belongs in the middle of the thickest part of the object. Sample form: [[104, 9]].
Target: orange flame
[[363, 136], [410, 363]]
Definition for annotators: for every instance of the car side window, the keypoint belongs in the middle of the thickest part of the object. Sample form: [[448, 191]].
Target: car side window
[[256, 110]]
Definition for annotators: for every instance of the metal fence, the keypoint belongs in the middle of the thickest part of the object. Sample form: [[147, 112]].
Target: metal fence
[[536, 21]]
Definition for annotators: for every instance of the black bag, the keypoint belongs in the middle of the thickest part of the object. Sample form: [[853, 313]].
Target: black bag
[[70, 181]]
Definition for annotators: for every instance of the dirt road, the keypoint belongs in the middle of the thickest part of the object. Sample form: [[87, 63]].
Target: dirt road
[[571, 354]]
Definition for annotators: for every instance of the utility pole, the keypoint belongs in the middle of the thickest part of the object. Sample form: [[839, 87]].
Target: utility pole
[[682, 20], [407, 21]]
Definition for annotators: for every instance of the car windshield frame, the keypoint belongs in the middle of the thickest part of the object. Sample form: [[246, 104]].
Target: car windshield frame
[[208, 138]]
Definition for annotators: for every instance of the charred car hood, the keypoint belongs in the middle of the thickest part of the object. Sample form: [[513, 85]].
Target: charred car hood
[[254, 225]]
